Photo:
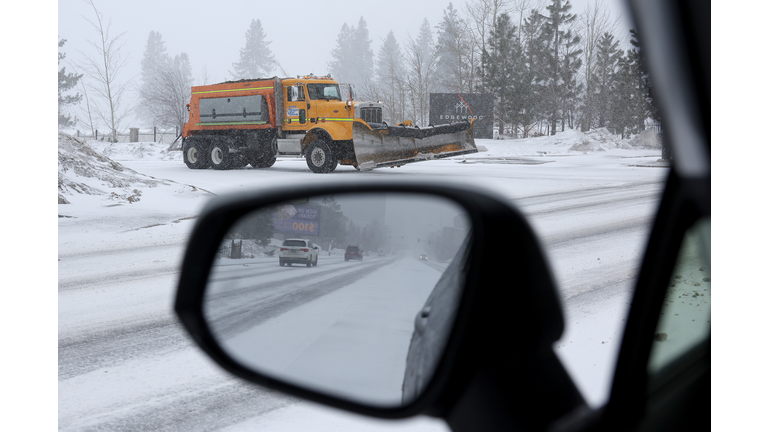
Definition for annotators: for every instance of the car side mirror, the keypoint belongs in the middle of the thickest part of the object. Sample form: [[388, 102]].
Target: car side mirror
[[356, 337]]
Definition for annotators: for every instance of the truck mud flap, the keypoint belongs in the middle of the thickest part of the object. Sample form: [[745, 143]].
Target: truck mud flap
[[379, 145]]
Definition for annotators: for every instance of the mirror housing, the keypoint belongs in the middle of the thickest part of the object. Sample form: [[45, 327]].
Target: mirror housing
[[503, 330]]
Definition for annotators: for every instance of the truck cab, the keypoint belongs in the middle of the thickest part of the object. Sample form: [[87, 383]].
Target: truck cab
[[315, 109]]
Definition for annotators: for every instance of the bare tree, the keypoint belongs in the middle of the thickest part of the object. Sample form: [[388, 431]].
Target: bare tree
[[89, 123], [478, 30], [103, 70], [594, 22], [169, 92], [420, 65], [522, 7], [205, 76], [481, 21]]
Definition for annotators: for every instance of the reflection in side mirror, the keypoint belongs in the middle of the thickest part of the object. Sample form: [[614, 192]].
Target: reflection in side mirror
[[371, 331]]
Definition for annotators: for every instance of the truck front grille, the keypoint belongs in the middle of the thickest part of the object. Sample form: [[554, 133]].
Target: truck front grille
[[371, 115]]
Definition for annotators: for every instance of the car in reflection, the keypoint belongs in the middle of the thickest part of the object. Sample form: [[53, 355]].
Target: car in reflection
[[353, 253], [298, 251], [423, 257]]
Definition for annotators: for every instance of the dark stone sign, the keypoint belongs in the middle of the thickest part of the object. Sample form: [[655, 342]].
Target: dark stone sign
[[452, 107]]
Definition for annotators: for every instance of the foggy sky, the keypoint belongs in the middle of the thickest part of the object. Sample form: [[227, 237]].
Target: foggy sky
[[303, 34]]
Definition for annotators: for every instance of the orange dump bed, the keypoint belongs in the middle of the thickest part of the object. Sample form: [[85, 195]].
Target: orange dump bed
[[232, 105]]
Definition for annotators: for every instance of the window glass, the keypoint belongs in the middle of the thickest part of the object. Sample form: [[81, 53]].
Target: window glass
[[686, 315], [323, 91], [233, 109]]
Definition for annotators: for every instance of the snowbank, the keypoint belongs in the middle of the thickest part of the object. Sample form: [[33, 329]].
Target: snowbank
[[84, 170], [648, 139], [569, 142], [136, 151]]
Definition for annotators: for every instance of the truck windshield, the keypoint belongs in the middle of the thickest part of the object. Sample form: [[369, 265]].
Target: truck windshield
[[323, 91]]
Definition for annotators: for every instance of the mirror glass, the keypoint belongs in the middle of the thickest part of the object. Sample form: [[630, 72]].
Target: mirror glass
[[351, 295]]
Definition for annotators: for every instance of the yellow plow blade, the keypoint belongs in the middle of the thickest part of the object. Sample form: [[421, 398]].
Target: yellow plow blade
[[378, 145]]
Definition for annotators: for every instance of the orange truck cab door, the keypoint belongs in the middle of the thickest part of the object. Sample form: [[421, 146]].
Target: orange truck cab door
[[296, 115]]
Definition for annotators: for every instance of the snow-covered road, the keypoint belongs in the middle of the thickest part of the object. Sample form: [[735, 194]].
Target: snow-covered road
[[125, 364]]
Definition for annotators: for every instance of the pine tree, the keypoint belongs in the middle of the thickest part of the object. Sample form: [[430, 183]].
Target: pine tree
[[558, 36], [256, 59], [389, 78], [353, 56], [534, 75], [342, 55], [66, 82], [363, 53], [623, 111], [504, 72], [153, 63], [643, 80], [155, 56], [453, 67], [634, 89], [605, 80], [571, 88]]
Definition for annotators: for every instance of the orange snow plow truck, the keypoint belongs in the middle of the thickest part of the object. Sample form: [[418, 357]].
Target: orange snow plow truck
[[237, 123]]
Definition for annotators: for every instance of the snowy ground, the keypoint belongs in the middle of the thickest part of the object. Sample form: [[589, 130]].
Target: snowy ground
[[125, 365]]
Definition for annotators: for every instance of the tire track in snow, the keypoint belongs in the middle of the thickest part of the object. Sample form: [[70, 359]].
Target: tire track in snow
[[584, 234], [201, 408], [589, 191], [603, 202], [238, 310], [100, 253], [109, 345], [114, 278]]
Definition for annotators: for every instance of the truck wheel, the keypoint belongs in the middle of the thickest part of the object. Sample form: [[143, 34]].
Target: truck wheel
[[266, 157], [320, 159], [221, 159], [195, 154]]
